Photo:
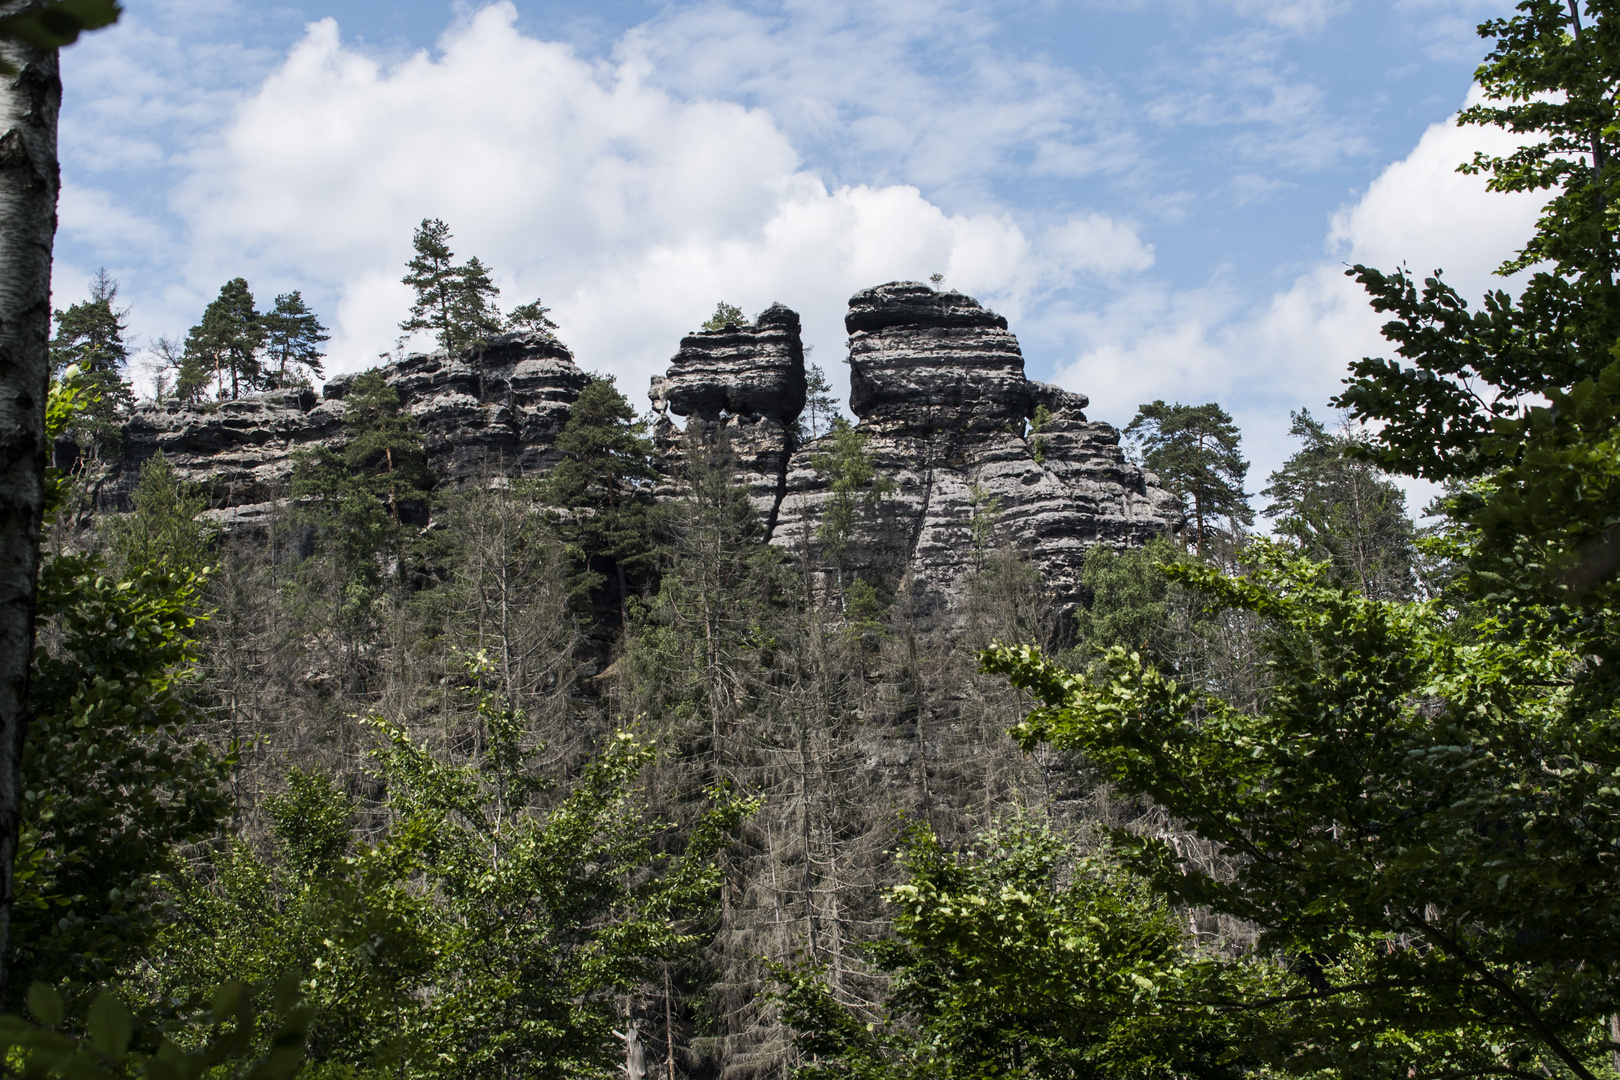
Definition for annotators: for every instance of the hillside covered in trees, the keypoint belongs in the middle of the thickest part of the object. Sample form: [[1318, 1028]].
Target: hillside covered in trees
[[459, 719]]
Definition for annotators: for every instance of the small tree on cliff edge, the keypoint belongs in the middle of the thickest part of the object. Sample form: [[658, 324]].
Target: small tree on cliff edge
[[607, 465], [1194, 449], [456, 303]]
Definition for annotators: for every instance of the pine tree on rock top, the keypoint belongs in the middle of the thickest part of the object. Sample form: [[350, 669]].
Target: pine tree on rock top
[[455, 303], [292, 340], [607, 471], [90, 337], [725, 315], [224, 346], [531, 318], [1194, 450]]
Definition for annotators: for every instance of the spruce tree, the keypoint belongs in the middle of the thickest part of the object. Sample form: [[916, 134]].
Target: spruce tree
[[360, 500], [225, 344], [854, 484], [90, 336], [292, 340], [607, 472]]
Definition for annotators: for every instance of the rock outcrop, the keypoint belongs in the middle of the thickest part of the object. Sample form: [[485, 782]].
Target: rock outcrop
[[745, 384], [498, 409], [925, 361], [938, 383]]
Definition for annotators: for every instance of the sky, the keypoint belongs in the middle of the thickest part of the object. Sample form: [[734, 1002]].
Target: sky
[[1161, 195]]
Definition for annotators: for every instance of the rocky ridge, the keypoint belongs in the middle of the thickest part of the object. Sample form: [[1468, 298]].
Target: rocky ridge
[[937, 382], [497, 411]]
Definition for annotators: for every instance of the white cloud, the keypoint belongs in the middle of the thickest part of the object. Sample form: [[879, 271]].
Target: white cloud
[[886, 89], [1094, 244], [629, 209], [1292, 350], [1308, 15]]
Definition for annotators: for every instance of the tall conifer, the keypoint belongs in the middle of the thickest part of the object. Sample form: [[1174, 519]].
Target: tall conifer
[[90, 336]]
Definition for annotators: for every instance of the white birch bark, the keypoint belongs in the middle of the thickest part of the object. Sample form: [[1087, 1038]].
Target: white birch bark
[[29, 179]]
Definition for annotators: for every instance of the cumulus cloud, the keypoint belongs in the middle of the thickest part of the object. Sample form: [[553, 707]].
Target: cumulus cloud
[[629, 209], [1292, 349]]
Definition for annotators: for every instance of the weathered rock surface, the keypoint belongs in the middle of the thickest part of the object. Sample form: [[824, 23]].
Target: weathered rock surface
[[940, 391], [498, 410], [921, 360], [745, 384], [937, 381]]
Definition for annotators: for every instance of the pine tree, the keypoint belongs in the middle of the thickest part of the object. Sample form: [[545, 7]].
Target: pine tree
[[455, 303], [532, 318], [227, 342], [1344, 511], [292, 339], [725, 315], [432, 274], [477, 318], [90, 336], [606, 471], [1194, 450], [820, 406]]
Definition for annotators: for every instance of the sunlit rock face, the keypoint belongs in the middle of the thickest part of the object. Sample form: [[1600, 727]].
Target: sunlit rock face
[[494, 411], [924, 361], [745, 385], [938, 384]]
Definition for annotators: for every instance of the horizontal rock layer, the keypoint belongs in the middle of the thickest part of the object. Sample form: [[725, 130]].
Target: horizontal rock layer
[[927, 361], [936, 379], [498, 410]]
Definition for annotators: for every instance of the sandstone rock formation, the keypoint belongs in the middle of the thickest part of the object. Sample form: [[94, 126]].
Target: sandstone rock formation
[[936, 379], [938, 383], [498, 409], [747, 382]]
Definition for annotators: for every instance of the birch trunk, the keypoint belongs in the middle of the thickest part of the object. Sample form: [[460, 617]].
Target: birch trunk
[[29, 179]]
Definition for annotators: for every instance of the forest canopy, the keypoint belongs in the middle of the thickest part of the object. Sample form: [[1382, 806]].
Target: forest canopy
[[569, 773]]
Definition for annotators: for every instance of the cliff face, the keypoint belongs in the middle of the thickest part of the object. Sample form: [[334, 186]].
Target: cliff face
[[746, 382], [936, 379], [498, 411], [938, 383]]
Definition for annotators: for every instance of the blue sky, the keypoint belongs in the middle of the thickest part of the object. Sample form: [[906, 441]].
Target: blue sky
[[1161, 196]]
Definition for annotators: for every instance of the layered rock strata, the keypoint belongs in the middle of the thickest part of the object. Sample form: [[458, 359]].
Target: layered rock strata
[[498, 410], [940, 390], [746, 385], [937, 381]]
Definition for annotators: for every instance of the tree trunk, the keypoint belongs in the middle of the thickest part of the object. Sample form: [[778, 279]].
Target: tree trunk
[[29, 180]]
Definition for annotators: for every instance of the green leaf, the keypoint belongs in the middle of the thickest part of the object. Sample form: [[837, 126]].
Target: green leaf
[[111, 1025], [60, 23], [45, 1005]]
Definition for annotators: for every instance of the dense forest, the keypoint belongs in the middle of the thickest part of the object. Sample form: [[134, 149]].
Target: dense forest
[[573, 775]]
